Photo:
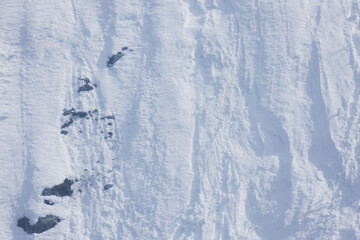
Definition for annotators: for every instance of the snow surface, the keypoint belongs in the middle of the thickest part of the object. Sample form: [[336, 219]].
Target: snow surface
[[233, 119]]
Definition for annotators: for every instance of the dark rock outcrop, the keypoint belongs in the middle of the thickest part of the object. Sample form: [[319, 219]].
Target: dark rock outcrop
[[85, 88], [108, 117], [49, 202], [114, 58], [108, 186], [64, 132], [60, 190], [43, 224]]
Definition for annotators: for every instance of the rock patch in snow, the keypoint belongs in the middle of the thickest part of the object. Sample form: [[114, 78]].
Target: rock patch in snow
[[87, 87], [76, 114], [49, 202], [108, 186], [43, 224], [60, 190]]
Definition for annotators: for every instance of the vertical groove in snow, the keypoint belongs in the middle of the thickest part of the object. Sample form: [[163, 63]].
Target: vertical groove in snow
[[322, 152]]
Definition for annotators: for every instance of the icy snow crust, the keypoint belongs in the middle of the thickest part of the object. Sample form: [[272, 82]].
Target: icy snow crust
[[233, 119]]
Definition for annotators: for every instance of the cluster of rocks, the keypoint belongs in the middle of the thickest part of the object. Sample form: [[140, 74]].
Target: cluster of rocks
[[49, 221], [73, 115], [64, 189], [116, 57]]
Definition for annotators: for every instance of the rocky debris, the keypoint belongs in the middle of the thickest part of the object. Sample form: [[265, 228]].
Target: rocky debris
[[64, 132], [49, 202], [43, 224], [110, 134], [76, 114], [124, 48], [68, 123], [108, 186], [114, 58], [60, 190], [87, 87]]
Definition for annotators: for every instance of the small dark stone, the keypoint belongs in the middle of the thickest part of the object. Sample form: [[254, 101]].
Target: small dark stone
[[108, 186], [48, 202], [110, 134], [95, 85], [131, 50], [108, 117], [124, 48], [60, 190], [43, 224], [64, 132], [109, 123]]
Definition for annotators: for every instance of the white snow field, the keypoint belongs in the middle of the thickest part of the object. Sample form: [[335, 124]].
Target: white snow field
[[233, 119]]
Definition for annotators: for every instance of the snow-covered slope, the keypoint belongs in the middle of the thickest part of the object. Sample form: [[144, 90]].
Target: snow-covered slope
[[224, 119]]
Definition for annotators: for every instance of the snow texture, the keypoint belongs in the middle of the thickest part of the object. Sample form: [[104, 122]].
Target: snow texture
[[222, 120]]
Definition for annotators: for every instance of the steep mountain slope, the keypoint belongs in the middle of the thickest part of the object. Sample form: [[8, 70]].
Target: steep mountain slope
[[223, 120]]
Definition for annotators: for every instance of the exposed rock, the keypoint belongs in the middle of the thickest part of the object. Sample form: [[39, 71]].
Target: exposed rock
[[108, 186], [49, 202], [124, 48], [108, 117], [110, 134], [61, 190], [68, 112], [43, 224], [68, 123], [87, 87], [74, 115], [114, 58], [64, 132]]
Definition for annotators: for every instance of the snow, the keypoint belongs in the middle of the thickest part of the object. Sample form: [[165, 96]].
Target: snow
[[233, 119]]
